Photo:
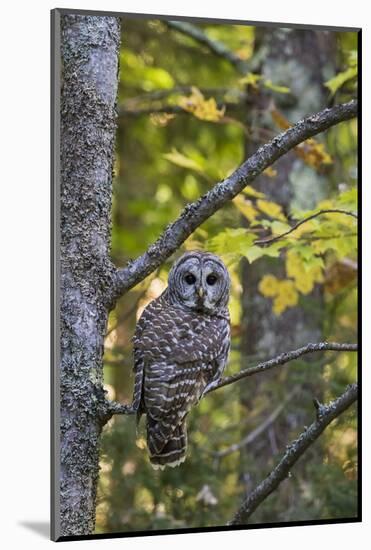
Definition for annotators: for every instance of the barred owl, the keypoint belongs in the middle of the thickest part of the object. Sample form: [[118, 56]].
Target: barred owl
[[181, 346]]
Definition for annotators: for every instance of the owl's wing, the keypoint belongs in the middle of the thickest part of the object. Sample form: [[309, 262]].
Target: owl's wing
[[182, 352], [185, 336]]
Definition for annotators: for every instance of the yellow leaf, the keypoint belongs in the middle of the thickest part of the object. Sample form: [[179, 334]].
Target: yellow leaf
[[279, 305], [310, 151], [245, 207], [251, 79], [313, 153], [293, 264], [270, 172], [184, 162], [269, 286], [244, 53], [306, 227], [279, 119], [304, 278], [248, 190], [273, 209], [283, 292], [161, 119], [304, 283], [288, 292], [204, 109]]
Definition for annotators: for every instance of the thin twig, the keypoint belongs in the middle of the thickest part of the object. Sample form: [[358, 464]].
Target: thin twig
[[325, 414], [159, 95], [215, 46], [271, 240], [126, 315], [125, 111], [113, 407], [259, 430], [282, 359], [311, 238], [199, 211]]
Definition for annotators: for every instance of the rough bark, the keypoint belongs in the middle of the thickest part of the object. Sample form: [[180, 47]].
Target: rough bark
[[89, 54]]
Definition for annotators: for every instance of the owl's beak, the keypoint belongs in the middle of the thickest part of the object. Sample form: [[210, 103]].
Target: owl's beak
[[200, 292]]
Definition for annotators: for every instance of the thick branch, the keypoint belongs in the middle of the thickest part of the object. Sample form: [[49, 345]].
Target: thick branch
[[213, 45], [325, 415], [196, 213], [282, 359], [271, 240]]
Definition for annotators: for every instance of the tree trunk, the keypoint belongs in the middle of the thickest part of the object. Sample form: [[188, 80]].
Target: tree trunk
[[295, 59], [89, 54]]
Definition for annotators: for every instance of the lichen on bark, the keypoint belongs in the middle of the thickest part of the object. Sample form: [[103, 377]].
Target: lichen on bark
[[89, 55]]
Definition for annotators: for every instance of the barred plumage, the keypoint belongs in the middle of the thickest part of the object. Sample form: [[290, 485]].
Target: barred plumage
[[181, 346]]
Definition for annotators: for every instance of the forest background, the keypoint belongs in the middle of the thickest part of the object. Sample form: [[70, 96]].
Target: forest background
[[187, 118]]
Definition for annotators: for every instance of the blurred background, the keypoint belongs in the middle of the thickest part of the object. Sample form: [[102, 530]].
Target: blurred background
[[187, 117]]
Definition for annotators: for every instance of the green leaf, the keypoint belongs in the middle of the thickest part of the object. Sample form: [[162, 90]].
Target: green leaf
[[349, 199], [313, 261], [256, 252], [276, 88], [271, 208], [335, 83], [353, 58], [251, 79], [179, 159], [279, 227], [231, 242]]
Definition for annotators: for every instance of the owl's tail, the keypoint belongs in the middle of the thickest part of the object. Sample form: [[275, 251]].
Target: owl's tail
[[166, 451]]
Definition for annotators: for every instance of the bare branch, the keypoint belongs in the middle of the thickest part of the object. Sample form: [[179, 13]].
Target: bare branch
[[196, 213], [259, 430], [113, 407], [271, 240], [281, 359], [325, 415], [158, 95], [168, 109], [311, 238], [215, 46]]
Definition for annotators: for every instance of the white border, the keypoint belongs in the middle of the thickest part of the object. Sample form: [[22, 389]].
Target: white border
[[25, 266]]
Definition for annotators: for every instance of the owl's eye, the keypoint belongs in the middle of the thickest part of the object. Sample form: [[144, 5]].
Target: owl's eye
[[211, 279], [190, 279]]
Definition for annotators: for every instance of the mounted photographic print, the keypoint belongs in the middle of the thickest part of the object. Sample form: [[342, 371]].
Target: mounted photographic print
[[205, 268]]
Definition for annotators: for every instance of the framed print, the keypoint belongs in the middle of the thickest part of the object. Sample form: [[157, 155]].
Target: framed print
[[205, 275]]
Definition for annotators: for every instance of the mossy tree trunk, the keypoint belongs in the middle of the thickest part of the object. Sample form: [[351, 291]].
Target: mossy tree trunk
[[89, 79]]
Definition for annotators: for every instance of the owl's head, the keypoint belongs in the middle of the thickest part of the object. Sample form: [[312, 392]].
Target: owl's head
[[199, 281]]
